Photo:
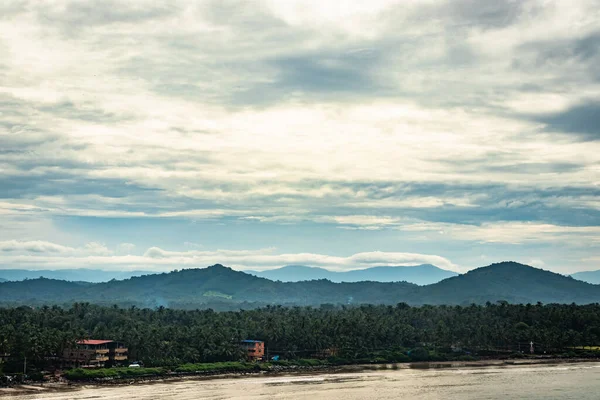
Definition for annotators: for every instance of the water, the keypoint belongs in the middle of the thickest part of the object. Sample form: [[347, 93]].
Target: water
[[561, 381]]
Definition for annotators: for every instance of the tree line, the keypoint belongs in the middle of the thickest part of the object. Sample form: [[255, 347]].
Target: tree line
[[164, 336]]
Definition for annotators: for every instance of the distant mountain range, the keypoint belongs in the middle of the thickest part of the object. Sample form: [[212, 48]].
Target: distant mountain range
[[588, 276], [425, 274], [219, 287], [74, 275]]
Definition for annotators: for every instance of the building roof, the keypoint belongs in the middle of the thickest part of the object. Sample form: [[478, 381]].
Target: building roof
[[251, 341], [94, 342]]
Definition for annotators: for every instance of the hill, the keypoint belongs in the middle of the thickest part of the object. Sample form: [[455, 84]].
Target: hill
[[220, 287], [512, 282], [425, 274], [216, 285], [588, 276], [73, 275]]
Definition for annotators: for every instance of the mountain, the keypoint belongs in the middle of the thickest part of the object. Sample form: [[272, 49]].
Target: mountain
[[512, 282], [81, 274], [295, 273], [588, 276], [220, 287], [196, 287], [425, 274]]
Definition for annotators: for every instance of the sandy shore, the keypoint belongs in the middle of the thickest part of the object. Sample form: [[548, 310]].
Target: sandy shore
[[33, 389]]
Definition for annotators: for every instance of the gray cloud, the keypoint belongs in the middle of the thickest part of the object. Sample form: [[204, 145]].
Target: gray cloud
[[10, 8], [85, 112], [321, 75], [491, 202], [561, 64], [582, 121], [76, 15], [552, 53], [65, 184], [36, 246], [488, 13]]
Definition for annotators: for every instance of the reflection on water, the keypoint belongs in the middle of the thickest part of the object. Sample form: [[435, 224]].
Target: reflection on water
[[568, 381]]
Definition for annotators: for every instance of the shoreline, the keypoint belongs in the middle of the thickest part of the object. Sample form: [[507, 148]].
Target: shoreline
[[50, 387]]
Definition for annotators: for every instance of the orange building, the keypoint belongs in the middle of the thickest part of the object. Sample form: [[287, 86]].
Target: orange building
[[255, 349], [95, 353]]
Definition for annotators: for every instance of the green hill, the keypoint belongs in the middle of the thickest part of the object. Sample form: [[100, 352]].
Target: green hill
[[220, 287], [512, 282]]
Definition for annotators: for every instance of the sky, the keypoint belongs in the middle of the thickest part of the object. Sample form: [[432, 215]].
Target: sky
[[256, 134]]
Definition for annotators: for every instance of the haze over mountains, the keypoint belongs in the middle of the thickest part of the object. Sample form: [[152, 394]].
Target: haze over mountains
[[220, 287], [424, 274], [73, 275], [420, 274], [588, 276]]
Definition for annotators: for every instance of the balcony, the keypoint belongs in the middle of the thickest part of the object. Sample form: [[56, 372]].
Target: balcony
[[120, 358], [101, 351], [121, 350]]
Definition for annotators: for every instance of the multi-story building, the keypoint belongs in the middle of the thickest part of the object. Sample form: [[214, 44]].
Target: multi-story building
[[95, 353], [255, 349]]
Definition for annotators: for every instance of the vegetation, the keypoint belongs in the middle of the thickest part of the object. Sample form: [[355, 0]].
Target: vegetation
[[230, 366], [212, 293], [183, 340], [80, 374], [221, 289]]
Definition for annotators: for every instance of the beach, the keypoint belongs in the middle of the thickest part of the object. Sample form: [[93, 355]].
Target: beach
[[421, 381]]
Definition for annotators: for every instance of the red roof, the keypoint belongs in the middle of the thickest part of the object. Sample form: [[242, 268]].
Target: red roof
[[94, 342]]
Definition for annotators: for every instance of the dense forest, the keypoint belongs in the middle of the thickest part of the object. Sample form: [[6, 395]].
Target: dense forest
[[170, 337], [222, 288]]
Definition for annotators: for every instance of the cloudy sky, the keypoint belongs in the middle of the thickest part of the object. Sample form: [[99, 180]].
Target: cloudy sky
[[343, 134]]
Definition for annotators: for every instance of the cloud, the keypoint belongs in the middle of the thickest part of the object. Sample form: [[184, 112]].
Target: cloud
[[488, 14], [125, 248], [512, 232], [97, 249], [158, 259], [78, 15], [468, 116], [582, 120], [10, 8], [536, 262], [155, 252], [35, 246], [335, 74], [52, 249]]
